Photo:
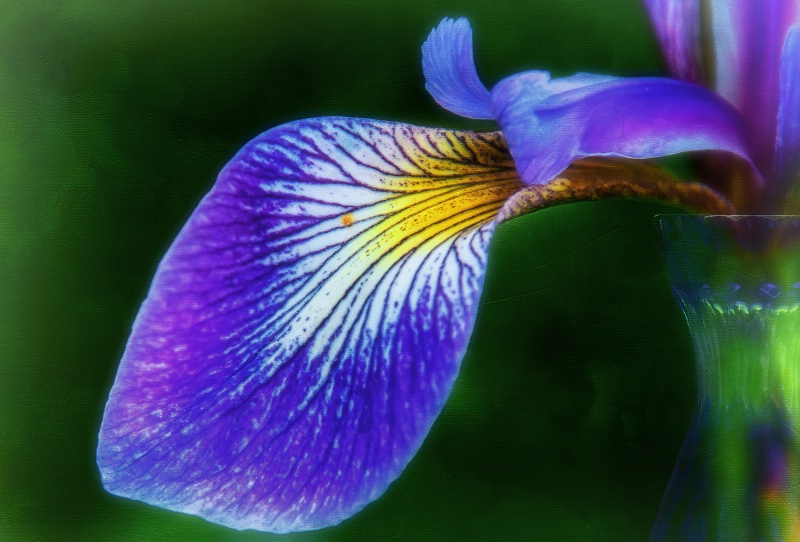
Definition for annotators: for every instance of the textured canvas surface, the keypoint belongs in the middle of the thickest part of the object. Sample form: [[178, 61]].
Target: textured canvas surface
[[572, 400]]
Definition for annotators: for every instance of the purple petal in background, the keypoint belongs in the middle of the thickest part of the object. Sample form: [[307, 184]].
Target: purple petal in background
[[748, 37], [449, 68], [678, 26], [549, 123], [305, 328]]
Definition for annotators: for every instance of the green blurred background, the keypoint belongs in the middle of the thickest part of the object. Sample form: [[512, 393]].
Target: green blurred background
[[115, 118]]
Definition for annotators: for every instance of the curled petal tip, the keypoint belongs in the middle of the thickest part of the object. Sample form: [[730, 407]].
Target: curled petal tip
[[449, 68]]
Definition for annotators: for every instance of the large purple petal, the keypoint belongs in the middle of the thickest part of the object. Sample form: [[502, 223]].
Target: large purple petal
[[548, 123], [305, 328], [748, 36], [678, 26], [787, 164], [450, 74]]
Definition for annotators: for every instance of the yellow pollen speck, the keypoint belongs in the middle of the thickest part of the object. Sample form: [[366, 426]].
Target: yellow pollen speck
[[347, 220]]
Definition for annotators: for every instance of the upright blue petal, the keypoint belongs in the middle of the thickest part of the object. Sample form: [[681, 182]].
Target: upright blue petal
[[748, 38], [305, 328], [678, 26], [548, 123], [450, 73], [787, 144]]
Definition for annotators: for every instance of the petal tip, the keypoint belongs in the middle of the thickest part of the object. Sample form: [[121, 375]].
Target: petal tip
[[449, 68]]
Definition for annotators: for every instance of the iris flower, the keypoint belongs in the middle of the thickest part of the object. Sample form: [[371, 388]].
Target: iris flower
[[304, 330]]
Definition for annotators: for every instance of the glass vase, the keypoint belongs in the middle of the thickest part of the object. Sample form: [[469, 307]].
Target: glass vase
[[737, 281]]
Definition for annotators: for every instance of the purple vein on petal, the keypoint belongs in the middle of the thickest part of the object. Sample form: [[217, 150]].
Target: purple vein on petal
[[305, 328]]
